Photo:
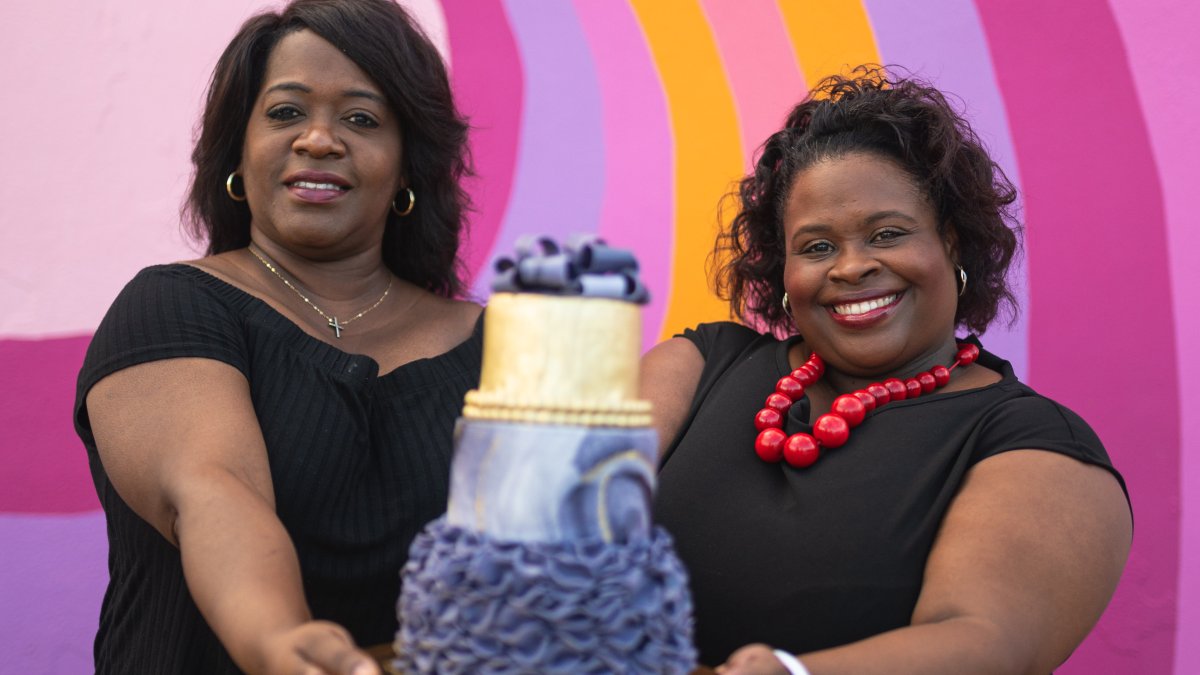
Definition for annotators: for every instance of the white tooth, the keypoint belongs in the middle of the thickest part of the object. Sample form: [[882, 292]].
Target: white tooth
[[316, 186], [856, 308]]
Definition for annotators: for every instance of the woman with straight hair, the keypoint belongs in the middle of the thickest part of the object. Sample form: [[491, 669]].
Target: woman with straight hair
[[270, 425]]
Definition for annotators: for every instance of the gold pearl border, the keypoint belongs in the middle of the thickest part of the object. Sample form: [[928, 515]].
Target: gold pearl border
[[487, 406]]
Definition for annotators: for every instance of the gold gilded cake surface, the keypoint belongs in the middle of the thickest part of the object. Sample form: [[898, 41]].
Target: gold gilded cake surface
[[560, 360]]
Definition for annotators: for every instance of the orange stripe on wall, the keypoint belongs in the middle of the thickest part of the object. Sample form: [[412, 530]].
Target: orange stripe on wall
[[708, 153], [829, 36]]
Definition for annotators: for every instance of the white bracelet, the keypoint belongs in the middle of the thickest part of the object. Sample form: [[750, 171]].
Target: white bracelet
[[792, 663]]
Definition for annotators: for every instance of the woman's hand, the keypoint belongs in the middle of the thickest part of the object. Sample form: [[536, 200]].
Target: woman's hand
[[756, 659], [315, 648]]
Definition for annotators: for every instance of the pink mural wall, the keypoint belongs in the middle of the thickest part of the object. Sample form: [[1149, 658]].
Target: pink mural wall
[[630, 118]]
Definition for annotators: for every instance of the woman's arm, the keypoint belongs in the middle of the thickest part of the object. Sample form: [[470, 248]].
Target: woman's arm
[[1028, 556], [181, 444], [670, 373]]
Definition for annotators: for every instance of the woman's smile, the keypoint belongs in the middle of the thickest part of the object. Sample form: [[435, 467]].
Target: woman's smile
[[864, 313], [317, 187]]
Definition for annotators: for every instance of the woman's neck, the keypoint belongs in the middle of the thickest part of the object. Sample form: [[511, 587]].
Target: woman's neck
[[839, 382], [348, 280]]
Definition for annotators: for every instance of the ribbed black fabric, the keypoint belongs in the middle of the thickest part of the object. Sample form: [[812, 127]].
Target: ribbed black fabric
[[360, 463], [809, 559]]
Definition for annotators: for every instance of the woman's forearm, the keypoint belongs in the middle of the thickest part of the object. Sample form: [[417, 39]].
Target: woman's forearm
[[958, 645], [240, 565]]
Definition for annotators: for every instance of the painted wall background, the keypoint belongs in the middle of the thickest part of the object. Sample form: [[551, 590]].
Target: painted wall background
[[630, 118]]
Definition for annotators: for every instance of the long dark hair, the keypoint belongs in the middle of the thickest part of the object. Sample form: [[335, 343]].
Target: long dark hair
[[900, 118], [383, 40]]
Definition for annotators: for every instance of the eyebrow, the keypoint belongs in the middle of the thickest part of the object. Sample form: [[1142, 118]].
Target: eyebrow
[[880, 215], [349, 93]]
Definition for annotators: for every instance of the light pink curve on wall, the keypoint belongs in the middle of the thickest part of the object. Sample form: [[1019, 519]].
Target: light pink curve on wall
[[637, 210], [762, 71], [429, 14], [1161, 44], [104, 134]]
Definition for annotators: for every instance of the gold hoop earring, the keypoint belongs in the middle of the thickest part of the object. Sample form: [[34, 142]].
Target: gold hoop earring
[[962, 277], [787, 306], [229, 188], [412, 201]]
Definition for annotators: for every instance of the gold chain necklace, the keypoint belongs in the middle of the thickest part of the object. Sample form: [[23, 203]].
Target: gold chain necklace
[[333, 321]]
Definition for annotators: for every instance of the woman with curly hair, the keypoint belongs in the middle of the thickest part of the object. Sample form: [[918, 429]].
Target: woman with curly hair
[[871, 493], [270, 425]]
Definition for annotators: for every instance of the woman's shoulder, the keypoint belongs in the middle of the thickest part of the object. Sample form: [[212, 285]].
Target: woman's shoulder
[[1019, 418], [172, 287], [166, 311], [725, 337], [186, 277]]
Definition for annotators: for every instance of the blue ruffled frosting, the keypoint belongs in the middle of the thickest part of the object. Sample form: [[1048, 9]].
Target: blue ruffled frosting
[[473, 604]]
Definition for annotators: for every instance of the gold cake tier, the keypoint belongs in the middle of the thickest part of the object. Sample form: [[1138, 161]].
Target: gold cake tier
[[560, 360]]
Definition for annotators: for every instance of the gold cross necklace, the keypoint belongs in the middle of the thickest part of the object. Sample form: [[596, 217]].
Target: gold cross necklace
[[333, 321]]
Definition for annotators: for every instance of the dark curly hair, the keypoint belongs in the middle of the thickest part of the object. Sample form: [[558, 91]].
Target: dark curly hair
[[900, 118], [383, 40]]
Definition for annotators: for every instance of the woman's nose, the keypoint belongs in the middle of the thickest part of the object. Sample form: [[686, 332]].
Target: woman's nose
[[852, 265], [318, 139]]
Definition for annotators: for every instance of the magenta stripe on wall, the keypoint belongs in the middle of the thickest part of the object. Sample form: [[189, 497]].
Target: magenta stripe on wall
[[943, 41], [1070, 96], [488, 87], [637, 211], [45, 465]]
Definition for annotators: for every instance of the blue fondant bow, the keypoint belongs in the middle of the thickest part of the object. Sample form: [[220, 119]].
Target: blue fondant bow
[[584, 266]]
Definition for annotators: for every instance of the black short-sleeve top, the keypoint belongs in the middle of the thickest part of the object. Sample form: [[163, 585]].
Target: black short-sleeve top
[[814, 558], [360, 462]]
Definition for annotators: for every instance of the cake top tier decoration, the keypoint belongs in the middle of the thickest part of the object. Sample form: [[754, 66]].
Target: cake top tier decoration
[[585, 266], [562, 338]]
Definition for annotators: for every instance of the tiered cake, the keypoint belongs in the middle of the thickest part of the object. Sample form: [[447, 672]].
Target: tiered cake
[[547, 560]]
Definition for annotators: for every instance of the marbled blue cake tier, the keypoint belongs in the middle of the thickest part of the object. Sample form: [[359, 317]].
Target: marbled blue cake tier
[[547, 560]]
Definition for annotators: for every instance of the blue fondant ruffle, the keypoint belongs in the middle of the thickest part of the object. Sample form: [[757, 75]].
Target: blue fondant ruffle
[[472, 604]]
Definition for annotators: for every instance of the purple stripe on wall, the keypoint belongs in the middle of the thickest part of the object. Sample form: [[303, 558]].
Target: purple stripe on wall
[[943, 41], [560, 162], [45, 465], [52, 578], [488, 88], [1085, 161], [637, 211]]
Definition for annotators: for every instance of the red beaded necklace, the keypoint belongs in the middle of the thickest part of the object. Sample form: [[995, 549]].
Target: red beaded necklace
[[832, 429]]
